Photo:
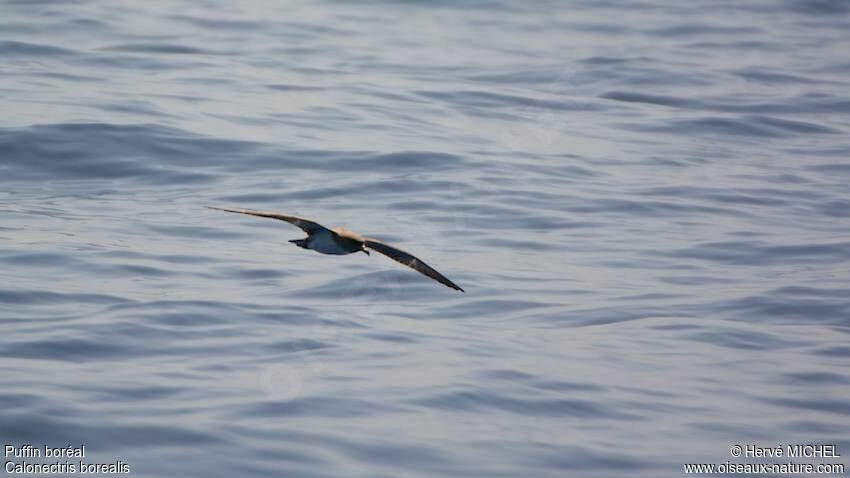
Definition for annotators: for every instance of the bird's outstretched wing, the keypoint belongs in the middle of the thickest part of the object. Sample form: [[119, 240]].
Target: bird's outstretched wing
[[410, 261], [305, 224]]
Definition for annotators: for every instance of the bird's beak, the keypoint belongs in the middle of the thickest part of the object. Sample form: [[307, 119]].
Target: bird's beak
[[364, 250]]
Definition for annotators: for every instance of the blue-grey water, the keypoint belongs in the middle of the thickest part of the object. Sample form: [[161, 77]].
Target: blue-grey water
[[646, 202]]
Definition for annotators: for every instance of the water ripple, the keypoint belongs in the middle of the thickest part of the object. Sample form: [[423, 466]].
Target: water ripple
[[646, 203]]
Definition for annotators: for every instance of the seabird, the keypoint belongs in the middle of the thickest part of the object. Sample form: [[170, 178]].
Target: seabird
[[340, 241]]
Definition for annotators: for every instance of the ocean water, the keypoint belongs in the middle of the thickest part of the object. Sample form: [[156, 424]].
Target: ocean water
[[646, 202]]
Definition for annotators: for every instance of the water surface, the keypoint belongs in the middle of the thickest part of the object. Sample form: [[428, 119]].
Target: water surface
[[646, 202]]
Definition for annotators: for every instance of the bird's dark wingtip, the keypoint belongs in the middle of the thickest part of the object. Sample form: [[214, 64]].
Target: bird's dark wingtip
[[225, 209]]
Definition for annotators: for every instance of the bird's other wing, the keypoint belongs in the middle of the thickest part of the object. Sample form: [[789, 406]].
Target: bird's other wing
[[306, 225], [410, 261]]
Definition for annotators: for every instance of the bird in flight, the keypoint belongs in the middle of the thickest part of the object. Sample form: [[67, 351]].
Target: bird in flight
[[340, 241]]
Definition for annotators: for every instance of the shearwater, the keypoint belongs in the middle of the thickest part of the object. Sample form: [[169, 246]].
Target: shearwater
[[340, 241]]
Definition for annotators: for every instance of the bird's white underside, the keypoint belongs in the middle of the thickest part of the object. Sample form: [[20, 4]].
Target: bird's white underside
[[322, 241]]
